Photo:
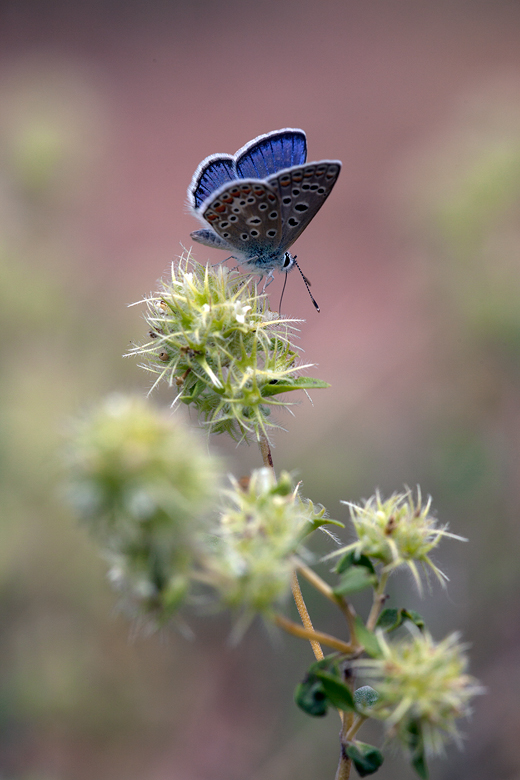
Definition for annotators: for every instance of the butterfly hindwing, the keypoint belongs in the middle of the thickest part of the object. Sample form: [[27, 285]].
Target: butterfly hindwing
[[270, 153], [208, 237], [247, 215], [302, 191]]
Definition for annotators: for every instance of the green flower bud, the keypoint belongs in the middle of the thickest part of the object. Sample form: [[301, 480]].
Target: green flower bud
[[214, 340], [423, 688], [142, 483], [260, 531], [397, 532]]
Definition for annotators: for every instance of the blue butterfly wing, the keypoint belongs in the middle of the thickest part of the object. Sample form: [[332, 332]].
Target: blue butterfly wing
[[270, 153], [212, 173]]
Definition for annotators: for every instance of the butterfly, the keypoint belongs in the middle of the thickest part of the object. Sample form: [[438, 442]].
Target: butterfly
[[255, 203]]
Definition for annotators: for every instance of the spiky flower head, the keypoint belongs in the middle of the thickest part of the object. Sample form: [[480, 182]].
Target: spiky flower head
[[423, 688], [142, 482], [214, 340], [398, 531], [261, 528]]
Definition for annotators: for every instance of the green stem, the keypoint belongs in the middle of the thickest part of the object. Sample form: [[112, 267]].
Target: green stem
[[379, 600], [358, 722]]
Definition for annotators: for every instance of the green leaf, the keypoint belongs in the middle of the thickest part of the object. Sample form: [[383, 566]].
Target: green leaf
[[278, 386], [311, 697], [367, 638], [367, 758], [352, 559], [390, 619], [365, 696], [337, 692], [354, 579], [416, 745], [318, 522], [414, 616], [322, 687]]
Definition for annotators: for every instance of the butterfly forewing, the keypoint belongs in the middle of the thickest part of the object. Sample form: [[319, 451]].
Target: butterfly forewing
[[302, 192], [246, 214], [272, 152], [212, 173]]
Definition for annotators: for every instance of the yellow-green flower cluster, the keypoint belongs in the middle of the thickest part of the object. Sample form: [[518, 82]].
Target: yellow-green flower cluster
[[396, 532], [423, 688], [142, 483], [261, 528], [214, 340]]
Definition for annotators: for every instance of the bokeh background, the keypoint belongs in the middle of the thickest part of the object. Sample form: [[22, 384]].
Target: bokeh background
[[106, 109]]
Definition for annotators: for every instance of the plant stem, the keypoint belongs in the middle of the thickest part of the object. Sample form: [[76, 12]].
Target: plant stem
[[311, 635], [265, 450], [379, 600], [325, 589], [345, 763], [304, 614], [360, 719]]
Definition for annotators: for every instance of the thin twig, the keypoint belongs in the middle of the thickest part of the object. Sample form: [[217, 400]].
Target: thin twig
[[304, 614], [316, 636], [325, 589]]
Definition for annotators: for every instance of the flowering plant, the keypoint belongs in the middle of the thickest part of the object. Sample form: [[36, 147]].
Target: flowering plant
[[172, 532]]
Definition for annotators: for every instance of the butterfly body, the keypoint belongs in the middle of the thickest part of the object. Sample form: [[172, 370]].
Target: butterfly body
[[256, 203]]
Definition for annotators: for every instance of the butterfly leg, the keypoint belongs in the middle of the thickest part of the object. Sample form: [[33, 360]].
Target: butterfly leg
[[270, 278], [220, 262]]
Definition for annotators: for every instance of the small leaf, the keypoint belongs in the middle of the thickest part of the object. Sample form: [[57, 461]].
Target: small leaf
[[365, 696], [288, 384], [367, 758], [323, 686], [337, 692], [311, 698], [414, 616], [354, 579], [416, 745], [351, 559], [367, 638], [318, 522], [310, 695], [390, 619]]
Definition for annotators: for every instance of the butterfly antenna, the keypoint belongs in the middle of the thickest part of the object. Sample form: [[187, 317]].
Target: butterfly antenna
[[307, 284], [281, 296]]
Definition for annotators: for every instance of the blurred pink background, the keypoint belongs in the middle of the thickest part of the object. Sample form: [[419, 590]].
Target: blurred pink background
[[106, 109]]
